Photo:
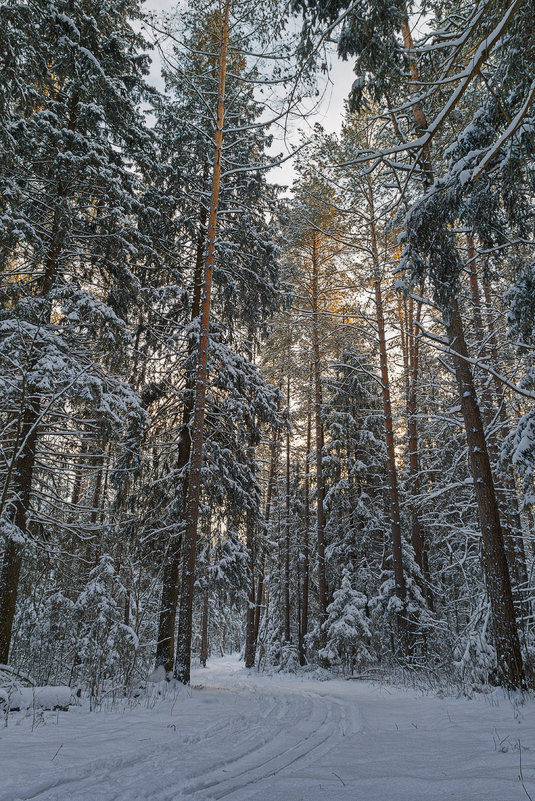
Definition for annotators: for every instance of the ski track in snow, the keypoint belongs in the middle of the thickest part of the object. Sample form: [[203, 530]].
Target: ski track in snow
[[244, 736]]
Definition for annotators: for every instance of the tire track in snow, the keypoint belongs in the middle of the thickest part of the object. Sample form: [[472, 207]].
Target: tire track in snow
[[258, 735], [120, 778], [309, 740]]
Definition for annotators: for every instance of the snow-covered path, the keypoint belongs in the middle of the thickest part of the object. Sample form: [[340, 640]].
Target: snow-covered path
[[241, 736]]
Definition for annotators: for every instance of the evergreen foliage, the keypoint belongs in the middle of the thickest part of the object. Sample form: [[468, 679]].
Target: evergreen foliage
[[367, 443]]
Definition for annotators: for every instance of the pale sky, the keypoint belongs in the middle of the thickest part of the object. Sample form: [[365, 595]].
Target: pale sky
[[329, 114]]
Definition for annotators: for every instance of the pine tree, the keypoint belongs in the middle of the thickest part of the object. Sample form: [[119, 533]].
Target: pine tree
[[234, 272]]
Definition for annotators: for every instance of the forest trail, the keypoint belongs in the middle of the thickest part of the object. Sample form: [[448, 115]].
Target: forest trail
[[244, 736]]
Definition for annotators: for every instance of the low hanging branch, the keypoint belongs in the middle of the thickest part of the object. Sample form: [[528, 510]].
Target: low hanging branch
[[442, 344], [507, 134], [421, 144]]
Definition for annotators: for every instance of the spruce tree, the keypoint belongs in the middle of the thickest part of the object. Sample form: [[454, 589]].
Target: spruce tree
[[74, 151]]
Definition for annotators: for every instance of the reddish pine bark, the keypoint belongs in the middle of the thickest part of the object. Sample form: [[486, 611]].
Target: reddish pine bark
[[510, 670], [183, 654], [165, 646]]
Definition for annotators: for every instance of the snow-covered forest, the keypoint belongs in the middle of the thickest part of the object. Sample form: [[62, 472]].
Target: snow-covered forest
[[294, 424]]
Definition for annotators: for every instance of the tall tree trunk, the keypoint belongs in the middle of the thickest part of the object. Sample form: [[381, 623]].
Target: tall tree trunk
[[183, 655], [393, 490], [510, 668], [267, 517], [165, 646], [493, 406], [250, 526], [418, 113], [318, 406], [303, 628], [203, 655], [418, 539], [21, 487], [250, 650], [168, 605], [287, 630]]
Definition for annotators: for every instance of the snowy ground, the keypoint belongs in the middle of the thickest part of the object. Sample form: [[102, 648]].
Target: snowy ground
[[247, 737]]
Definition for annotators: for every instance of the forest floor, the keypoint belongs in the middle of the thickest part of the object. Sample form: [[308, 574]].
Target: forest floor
[[244, 736]]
